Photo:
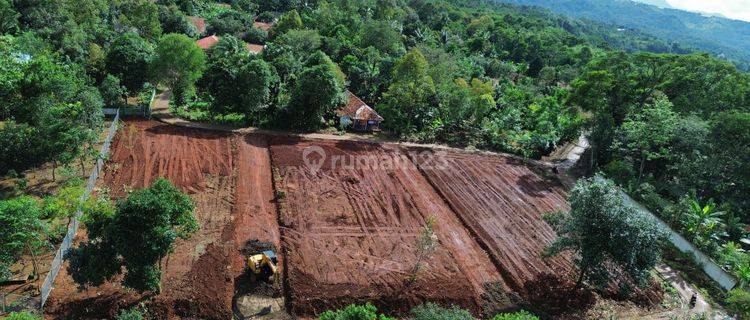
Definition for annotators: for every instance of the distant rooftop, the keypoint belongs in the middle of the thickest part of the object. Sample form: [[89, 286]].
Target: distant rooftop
[[358, 109], [208, 42], [255, 48]]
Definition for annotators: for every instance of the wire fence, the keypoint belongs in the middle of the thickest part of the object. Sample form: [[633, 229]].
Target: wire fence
[[57, 262]]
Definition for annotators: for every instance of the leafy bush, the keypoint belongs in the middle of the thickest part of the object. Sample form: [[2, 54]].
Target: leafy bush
[[431, 311], [22, 316], [130, 314], [738, 302], [354, 312], [520, 315], [256, 36]]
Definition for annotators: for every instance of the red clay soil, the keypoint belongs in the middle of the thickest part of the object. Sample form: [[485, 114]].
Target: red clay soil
[[349, 232], [223, 174], [502, 201]]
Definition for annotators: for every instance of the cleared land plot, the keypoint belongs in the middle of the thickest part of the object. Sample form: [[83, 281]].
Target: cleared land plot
[[349, 231], [228, 177], [502, 202]]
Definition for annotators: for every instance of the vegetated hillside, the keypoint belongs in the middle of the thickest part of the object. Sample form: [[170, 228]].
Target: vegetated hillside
[[720, 36], [604, 35], [658, 3]]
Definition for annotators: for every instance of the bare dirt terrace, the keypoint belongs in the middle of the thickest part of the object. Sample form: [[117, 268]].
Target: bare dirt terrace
[[346, 224], [229, 178], [502, 200], [349, 232]]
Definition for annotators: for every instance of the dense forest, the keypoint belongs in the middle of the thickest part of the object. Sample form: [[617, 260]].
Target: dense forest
[[721, 36], [669, 125]]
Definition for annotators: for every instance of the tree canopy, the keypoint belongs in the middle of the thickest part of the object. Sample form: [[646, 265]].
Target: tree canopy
[[178, 63], [136, 235], [606, 235]]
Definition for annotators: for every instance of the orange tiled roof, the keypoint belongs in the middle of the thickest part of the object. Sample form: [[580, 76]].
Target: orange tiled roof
[[358, 109], [255, 48], [208, 42]]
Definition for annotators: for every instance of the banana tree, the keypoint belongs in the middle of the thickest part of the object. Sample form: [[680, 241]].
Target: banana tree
[[743, 275], [705, 223]]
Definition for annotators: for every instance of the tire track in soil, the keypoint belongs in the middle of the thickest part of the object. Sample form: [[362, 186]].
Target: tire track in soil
[[216, 169], [501, 201], [351, 234]]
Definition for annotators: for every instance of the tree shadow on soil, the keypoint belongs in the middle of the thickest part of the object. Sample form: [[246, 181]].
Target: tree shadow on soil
[[172, 130], [553, 295]]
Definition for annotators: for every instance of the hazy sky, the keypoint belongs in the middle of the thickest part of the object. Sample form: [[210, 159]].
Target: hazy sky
[[735, 9]]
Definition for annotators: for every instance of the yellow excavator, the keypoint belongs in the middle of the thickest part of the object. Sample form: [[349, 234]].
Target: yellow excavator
[[263, 266]]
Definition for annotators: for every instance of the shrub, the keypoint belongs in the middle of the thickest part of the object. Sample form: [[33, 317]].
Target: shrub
[[431, 311], [355, 312], [256, 36], [22, 316], [520, 315], [738, 302], [619, 171], [130, 314]]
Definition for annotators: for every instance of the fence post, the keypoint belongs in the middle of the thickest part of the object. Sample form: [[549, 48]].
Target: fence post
[[2, 300], [57, 262]]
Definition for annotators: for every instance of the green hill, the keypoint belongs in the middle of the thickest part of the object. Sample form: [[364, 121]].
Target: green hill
[[720, 36]]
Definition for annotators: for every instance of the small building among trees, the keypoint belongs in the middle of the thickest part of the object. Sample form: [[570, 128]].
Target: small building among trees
[[358, 115], [208, 42]]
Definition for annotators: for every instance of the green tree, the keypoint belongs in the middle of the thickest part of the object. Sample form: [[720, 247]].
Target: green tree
[[230, 23], [96, 61], [178, 63], [382, 35], [410, 100], [289, 21], [239, 83], [174, 21], [19, 146], [318, 91], [142, 16], [354, 312], [602, 231], [705, 224], [738, 302], [63, 135], [23, 232], [256, 78], [67, 201], [22, 316], [256, 36], [520, 315], [137, 237], [113, 93], [432, 311], [426, 244], [728, 167], [128, 59], [8, 17], [130, 314], [646, 135]]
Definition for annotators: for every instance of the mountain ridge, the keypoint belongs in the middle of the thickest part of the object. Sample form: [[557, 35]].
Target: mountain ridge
[[722, 37]]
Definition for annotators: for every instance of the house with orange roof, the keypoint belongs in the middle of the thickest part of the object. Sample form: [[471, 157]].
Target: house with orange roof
[[255, 48], [358, 115], [207, 42]]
